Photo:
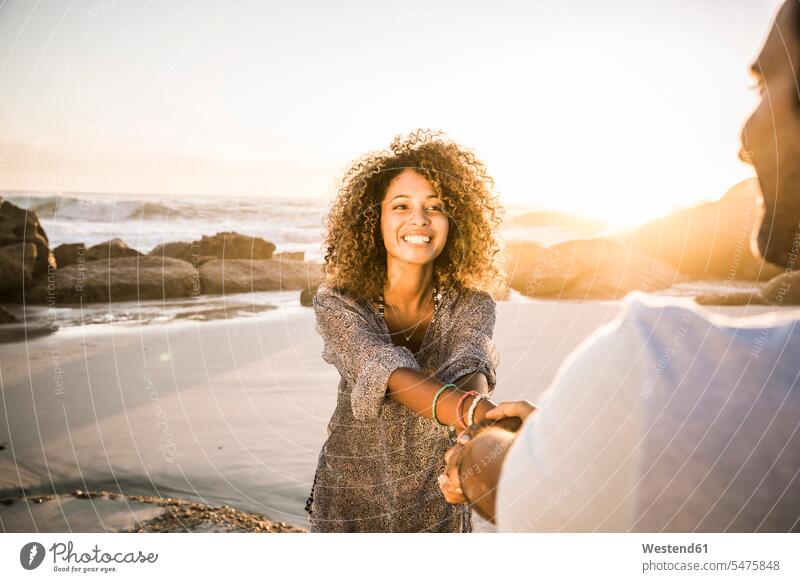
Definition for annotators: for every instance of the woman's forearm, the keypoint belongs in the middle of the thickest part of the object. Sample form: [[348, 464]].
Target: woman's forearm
[[416, 390]]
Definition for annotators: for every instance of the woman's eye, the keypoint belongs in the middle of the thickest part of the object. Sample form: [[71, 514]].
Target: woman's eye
[[437, 208], [400, 206]]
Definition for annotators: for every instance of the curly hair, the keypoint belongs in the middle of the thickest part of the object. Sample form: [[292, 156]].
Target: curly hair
[[355, 255]]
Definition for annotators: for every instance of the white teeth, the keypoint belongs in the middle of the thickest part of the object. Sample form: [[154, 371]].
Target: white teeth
[[417, 239]]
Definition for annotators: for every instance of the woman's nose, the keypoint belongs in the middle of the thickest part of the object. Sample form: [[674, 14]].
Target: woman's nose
[[419, 216]]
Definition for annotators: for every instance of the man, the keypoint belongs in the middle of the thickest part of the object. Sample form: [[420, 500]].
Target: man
[[670, 419]]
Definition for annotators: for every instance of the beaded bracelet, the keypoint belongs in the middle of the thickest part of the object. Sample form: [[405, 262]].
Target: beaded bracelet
[[435, 398], [460, 408], [472, 407]]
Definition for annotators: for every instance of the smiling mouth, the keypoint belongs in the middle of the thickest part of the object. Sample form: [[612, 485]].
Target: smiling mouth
[[417, 240]]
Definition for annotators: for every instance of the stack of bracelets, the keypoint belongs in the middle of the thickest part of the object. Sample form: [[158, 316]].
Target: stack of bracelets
[[459, 407]]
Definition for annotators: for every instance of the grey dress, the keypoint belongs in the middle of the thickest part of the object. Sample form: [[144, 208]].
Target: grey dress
[[378, 468]]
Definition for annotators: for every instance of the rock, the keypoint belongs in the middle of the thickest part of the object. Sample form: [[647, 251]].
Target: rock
[[709, 241], [185, 251], [73, 253], [110, 249], [231, 245], [123, 279], [733, 298], [597, 269], [17, 264], [241, 276], [521, 259], [69, 253], [18, 225], [307, 295], [291, 255], [781, 290], [6, 317]]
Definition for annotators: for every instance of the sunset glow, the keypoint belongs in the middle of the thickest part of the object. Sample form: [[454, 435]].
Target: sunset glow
[[256, 100]]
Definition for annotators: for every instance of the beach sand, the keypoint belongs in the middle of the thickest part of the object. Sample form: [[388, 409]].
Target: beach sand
[[229, 414]]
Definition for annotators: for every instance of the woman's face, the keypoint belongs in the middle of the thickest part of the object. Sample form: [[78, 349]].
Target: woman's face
[[413, 222]]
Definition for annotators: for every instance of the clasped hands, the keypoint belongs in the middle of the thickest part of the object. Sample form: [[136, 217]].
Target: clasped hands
[[472, 465]]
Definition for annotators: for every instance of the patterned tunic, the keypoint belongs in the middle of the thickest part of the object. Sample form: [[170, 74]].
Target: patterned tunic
[[377, 471]]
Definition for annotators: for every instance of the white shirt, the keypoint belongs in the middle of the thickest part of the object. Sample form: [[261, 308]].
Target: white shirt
[[669, 419]]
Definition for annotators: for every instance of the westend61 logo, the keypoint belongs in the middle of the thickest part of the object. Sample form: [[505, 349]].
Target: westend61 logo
[[31, 555], [66, 560]]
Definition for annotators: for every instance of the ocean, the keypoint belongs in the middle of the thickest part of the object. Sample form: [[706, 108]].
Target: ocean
[[145, 221]]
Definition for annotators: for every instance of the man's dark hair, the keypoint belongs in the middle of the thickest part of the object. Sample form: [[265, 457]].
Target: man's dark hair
[[797, 18]]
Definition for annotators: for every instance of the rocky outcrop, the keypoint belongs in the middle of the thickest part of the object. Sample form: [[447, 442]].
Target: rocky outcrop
[[111, 249], [69, 253], [521, 260], [709, 241], [223, 245], [73, 253], [596, 269], [17, 265], [781, 290], [241, 276], [231, 245], [291, 255], [18, 225], [122, 279], [185, 251]]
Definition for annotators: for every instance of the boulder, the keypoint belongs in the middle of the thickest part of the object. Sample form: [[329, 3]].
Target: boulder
[[68, 254], [307, 295], [241, 276], [17, 264], [6, 317], [597, 269], [111, 249], [185, 251], [231, 245], [781, 290], [18, 225], [521, 259], [709, 241], [123, 279], [73, 253]]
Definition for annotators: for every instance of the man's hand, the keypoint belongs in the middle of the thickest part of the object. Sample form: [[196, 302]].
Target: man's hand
[[449, 481], [519, 408]]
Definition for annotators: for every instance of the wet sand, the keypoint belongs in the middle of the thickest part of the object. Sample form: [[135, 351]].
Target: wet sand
[[219, 413]]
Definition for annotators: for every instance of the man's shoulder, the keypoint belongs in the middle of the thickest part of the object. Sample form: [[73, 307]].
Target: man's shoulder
[[660, 322]]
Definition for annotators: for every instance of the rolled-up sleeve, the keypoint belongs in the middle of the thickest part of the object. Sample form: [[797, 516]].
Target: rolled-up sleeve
[[364, 356], [471, 348]]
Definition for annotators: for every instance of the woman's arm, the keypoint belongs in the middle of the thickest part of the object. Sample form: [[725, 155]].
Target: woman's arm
[[416, 390], [377, 368], [469, 347]]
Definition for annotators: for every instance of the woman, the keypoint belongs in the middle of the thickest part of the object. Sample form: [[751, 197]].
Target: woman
[[407, 316]]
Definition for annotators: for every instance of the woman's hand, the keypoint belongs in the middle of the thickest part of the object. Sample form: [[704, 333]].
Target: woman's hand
[[449, 481], [519, 408]]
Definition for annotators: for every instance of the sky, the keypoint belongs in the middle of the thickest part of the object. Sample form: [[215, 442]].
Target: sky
[[621, 110]]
